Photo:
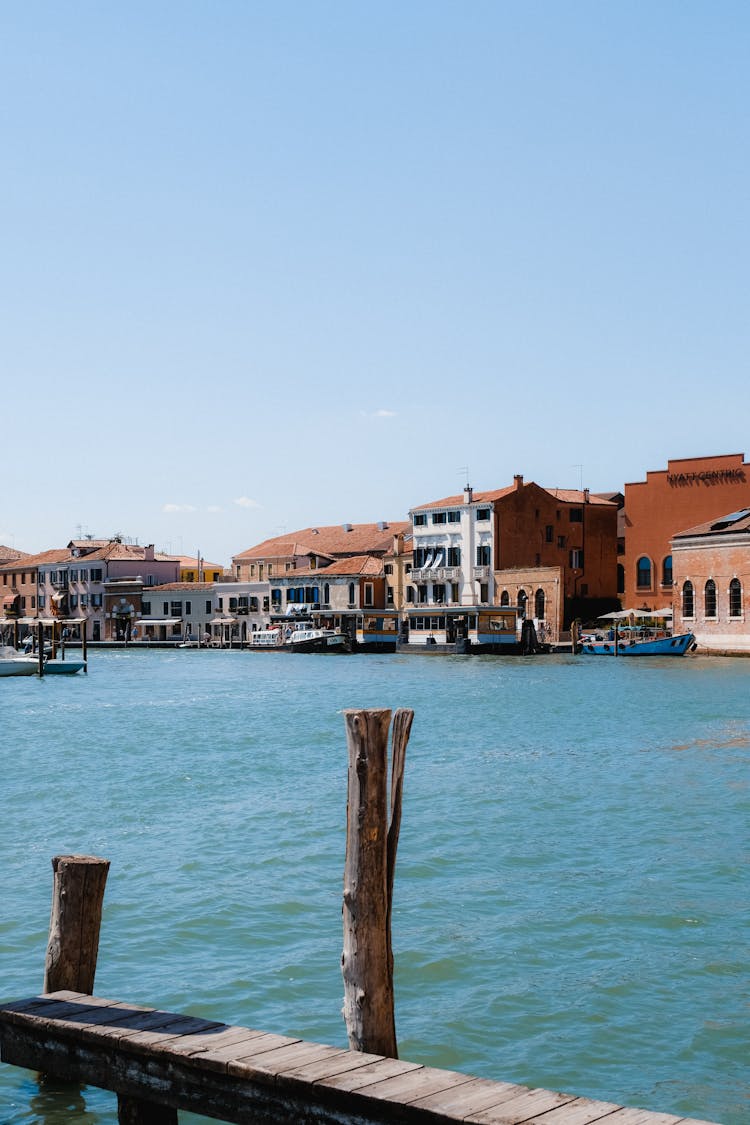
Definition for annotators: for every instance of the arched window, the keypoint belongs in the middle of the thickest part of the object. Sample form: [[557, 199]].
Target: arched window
[[539, 605], [521, 603], [643, 573], [505, 598], [735, 598], [688, 600], [709, 599], [620, 578], [666, 571]]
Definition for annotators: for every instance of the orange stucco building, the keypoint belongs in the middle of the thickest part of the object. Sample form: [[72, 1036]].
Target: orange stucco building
[[688, 492]]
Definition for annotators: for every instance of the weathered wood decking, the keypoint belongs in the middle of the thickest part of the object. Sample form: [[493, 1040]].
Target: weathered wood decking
[[240, 1075]]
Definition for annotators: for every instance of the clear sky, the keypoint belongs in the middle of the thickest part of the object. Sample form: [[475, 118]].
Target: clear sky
[[267, 265]]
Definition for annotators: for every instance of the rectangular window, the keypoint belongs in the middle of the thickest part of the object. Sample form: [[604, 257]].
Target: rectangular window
[[454, 592], [483, 555], [389, 595], [165, 608], [74, 576], [96, 600], [96, 574], [369, 595], [576, 515], [454, 556], [561, 540], [576, 559], [548, 533], [438, 517], [175, 609], [483, 513], [454, 517], [484, 593], [420, 519], [388, 569], [84, 599], [23, 602], [73, 601], [146, 608], [41, 601], [208, 605], [33, 601], [188, 607]]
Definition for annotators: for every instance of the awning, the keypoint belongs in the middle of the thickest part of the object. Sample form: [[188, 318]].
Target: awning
[[9, 599], [157, 621], [224, 621]]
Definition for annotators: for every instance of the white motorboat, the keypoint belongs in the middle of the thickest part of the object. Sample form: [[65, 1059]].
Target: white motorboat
[[15, 663]]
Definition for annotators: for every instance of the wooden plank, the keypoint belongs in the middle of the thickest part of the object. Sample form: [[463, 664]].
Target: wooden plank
[[276, 1061], [339, 1063], [581, 1111], [367, 1075], [414, 1084], [634, 1116], [521, 1108], [475, 1095]]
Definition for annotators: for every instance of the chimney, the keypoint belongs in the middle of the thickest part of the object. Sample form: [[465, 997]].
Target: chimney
[[468, 494], [148, 553], [518, 481], [383, 525], [346, 527], [586, 496]]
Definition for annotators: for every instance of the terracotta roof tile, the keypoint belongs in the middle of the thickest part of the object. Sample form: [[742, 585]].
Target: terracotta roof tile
[[484, 497], [333, 541]]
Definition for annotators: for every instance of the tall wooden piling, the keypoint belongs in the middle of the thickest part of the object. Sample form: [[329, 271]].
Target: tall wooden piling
[[75, 921], [371, 841]]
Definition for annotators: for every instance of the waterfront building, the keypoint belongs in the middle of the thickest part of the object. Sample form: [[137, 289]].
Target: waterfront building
[[315, 547], [553, 550], [689, 492], [711, 565], [22, 585], [209, 612]]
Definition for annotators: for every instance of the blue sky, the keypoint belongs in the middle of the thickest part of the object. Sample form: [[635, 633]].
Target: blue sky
[[271, 265]]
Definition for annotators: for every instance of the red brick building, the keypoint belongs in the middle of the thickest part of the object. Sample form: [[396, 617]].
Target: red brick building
[[712, 582], [690, 491]]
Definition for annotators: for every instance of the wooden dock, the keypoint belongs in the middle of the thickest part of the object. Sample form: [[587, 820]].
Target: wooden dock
[[160, 1062]]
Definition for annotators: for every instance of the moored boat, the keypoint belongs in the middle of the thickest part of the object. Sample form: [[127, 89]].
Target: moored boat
[[310, 638], [14, 663], [653, 646]]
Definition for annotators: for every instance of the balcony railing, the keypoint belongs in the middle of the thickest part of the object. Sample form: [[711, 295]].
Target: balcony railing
[[481, 572]]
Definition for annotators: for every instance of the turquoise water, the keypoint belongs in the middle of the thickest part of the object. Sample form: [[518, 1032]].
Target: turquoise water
[[571, 901]]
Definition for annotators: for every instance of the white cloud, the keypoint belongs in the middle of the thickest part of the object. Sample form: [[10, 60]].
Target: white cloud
[[382, 413], [178, 508], [246, 502], [213, 508]]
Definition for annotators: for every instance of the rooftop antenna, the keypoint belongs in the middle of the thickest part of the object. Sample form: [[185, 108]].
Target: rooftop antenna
[[464, 471]]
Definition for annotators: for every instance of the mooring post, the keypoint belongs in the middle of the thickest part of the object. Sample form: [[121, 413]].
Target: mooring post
[[371, 842], [75, 921], [40, 647]]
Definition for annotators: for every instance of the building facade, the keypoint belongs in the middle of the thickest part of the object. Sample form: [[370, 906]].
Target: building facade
[[689, 492], [470, 550], [712, 582]]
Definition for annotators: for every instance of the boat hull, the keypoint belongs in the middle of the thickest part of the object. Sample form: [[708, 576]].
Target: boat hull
[[660, 646], [18, 667]]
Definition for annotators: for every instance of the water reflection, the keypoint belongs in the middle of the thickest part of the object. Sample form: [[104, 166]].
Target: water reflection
[[53, 1102]]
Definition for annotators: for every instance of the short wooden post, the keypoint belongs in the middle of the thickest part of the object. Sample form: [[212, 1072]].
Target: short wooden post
[[40, 647], [83, 646], [75, 922], [371, 842]]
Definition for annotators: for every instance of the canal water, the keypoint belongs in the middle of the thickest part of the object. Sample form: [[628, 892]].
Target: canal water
[[571, 900]]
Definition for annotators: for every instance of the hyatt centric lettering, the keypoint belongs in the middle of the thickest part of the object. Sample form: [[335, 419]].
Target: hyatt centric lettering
[[710, 476]]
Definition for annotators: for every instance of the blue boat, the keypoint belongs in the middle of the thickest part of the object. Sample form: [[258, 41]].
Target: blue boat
[[655, 646]]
